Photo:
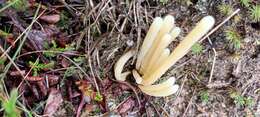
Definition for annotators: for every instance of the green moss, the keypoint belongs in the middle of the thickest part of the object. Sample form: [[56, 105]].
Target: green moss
[[204, 96], [242, 100], [245, 3], [249, 101], [255, 13], [225, 9], [64, 20], [233, 37], [36, 66], [197, 48]]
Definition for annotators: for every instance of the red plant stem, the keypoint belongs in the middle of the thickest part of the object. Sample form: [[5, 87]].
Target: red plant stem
[[70, 92], [81, 104]]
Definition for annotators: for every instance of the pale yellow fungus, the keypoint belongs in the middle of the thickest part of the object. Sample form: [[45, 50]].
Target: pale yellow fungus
[[118, 68], [182, 49], [148, 40], [154, 57]]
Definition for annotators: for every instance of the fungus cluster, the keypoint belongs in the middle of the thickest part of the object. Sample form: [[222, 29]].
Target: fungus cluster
[[155, 58]]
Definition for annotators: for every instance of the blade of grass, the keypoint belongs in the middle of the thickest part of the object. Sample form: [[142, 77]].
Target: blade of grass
[[22, 42], [77, 66], [24, 32], [51, 51], [12, 62], [8, 5], [95, 83], [22, 107]]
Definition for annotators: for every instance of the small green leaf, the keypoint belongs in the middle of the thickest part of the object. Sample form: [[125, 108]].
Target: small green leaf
[[98, 97], [36, 66], [10, 105]]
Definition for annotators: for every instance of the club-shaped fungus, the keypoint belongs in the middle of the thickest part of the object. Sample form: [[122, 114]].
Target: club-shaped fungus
[[155, 58]]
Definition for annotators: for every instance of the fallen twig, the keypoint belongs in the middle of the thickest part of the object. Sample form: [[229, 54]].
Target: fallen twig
[[213, 63], [218, 26], [189, 103]]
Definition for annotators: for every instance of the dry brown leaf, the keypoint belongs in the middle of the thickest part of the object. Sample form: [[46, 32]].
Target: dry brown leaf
[[129, 104], [34, 78], [53, 102], [52, 19]]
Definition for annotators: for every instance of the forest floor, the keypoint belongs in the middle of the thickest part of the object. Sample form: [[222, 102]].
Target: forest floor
[[57, 58]]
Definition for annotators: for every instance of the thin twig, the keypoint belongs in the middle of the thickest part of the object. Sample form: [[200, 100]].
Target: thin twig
[[124, 22], [183, 82], [98, 64], [11, 60], [59, 69], [76, 66], [90, 63], [103, 8], [92, 73], [81, 104], [28, 73], [213, 63], [157, 112], [218, 26], [163, 110], [36, 16], [189, 103], [24, 32], [121, 103], [70, 8]]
